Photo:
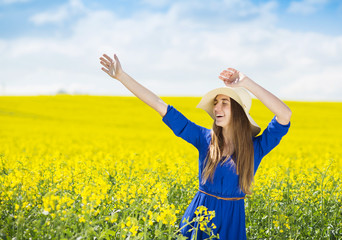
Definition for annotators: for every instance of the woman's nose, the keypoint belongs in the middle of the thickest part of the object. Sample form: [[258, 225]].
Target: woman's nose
[[216, 107]]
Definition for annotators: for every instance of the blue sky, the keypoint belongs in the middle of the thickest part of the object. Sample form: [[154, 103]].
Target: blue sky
[[292, 48]]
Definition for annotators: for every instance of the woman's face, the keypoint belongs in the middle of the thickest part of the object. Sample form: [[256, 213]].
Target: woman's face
[[221, 110]]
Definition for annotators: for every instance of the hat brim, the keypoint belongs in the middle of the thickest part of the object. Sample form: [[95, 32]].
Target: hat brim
[[239, 94]]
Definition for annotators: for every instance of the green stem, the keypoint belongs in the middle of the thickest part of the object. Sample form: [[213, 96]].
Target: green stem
[[169, 232]]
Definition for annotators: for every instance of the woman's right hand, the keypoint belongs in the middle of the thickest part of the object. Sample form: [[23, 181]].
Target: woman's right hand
[[111, 67]]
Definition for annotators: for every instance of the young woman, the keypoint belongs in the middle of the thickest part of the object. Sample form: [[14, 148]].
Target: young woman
[[230, 153]]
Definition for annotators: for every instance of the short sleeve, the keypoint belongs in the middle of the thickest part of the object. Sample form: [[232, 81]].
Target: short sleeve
[[184, 128], [268, 140]]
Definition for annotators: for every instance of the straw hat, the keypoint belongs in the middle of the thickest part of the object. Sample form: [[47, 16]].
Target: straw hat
[[239, 94]]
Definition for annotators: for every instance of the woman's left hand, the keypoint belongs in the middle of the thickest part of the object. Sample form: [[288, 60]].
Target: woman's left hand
[[232, 77]]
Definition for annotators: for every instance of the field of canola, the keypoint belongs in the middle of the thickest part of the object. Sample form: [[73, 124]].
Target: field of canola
[[91, 167]]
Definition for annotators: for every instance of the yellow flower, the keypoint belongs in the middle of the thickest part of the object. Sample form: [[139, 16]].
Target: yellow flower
[[128, 223], [134, 230], [276, 223], [91, 162], [150, 213]]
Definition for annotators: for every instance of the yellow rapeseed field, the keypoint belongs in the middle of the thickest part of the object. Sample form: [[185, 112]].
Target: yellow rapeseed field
[[92, 167]]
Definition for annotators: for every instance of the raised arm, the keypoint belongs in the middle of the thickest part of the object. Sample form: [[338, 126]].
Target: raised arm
[[113, 69], [234, 78]]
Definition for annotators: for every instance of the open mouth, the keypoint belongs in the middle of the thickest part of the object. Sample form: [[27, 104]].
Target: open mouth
[[219, 116]]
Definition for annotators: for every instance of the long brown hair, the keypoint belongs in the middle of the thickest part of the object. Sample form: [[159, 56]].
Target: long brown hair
[[243, 156]]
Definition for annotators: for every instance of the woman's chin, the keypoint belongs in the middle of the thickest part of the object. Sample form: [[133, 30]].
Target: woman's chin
[[219, 124]]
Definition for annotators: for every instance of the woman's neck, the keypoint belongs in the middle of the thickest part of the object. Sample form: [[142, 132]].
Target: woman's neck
[[228, 147]]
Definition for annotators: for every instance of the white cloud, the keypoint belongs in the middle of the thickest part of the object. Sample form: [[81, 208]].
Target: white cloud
[[306, 6], [174, 55], [13, 1], [66, 11], [156, 3], [43, 89], [318, 85]]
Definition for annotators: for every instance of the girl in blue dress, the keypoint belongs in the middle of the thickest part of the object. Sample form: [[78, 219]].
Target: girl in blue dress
[[229, 153]]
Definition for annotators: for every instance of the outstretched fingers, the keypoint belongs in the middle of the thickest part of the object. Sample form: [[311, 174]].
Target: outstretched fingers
[[108, 58], [105, 70], [105, 64], [111, 66]]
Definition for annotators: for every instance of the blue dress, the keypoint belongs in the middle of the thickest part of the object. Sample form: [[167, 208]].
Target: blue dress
[[229, 215]]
